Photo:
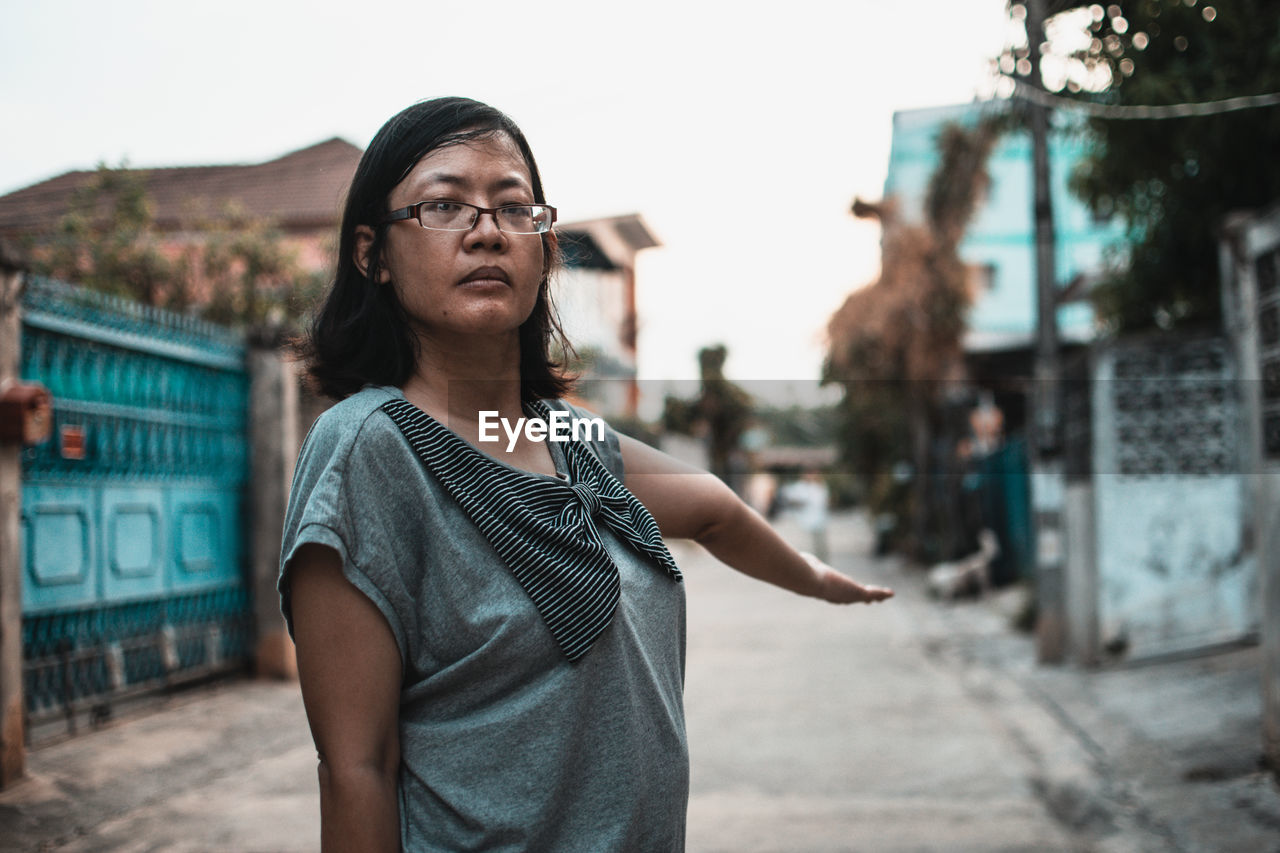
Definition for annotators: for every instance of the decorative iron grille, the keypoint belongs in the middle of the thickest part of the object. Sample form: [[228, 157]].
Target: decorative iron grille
[[86, 659], [1175, 408], [132, 512]]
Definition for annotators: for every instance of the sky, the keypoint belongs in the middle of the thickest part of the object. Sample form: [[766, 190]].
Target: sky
[[741, 132]]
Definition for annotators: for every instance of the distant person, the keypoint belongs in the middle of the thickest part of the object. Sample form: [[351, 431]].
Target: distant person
[[987, 424], [808, 501], [490, 634], [762, 492]]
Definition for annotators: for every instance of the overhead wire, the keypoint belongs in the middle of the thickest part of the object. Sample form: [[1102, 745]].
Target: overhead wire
[[1027, 92]]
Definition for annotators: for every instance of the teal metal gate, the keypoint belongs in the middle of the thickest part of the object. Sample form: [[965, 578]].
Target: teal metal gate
[[133, 563]]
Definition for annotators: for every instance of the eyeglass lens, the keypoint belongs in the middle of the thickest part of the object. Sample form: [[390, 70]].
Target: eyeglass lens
[[459, 216]]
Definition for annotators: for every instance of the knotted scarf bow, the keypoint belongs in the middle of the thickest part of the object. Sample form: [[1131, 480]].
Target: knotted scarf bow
[[544, 530]]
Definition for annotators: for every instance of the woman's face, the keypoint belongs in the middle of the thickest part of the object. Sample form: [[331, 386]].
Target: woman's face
[[465, 283]]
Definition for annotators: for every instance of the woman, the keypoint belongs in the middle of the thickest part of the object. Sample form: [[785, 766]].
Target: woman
[[490, 635]]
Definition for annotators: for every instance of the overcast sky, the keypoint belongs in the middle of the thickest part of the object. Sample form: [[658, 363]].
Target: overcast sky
[[740, 131]]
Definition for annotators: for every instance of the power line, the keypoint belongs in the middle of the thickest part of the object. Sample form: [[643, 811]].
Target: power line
[[1027, 92]]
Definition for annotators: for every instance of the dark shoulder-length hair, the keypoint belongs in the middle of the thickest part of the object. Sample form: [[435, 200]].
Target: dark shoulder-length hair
[[361, 334]]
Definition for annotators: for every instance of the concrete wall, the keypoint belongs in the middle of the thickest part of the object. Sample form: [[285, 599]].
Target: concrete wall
[[1174, 569], [1269, 599], [274, 436], [1160, 556], [1250, 267]]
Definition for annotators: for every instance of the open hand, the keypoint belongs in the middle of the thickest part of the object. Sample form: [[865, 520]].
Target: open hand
[[839, 588]]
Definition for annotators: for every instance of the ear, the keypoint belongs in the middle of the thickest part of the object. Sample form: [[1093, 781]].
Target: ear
[[360, 256], [550, 246]]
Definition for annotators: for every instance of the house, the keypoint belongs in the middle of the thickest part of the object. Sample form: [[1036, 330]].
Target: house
[[301, 193], [596, 298], [999, 341], [1000, 241], [1158, 553]]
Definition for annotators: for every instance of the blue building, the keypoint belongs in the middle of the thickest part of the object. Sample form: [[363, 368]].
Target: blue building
[[999, 248], [1000, 243]]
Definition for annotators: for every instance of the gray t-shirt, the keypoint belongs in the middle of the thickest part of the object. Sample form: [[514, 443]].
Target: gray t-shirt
[[505, 744]]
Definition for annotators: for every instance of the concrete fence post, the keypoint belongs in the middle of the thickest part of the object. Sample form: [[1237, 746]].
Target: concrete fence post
[[1249, 263], [273, 434], [1269, 569], [12, 725]]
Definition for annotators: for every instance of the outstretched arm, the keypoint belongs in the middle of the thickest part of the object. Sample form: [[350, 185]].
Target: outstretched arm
[[689, 503]]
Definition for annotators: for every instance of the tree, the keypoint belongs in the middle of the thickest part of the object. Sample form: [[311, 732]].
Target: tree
[[720, 412], [1172, 181], [236, 271], [896, 344], [250, 277], [107, 241]]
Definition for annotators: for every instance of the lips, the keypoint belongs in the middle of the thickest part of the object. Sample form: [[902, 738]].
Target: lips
[[487, 274]]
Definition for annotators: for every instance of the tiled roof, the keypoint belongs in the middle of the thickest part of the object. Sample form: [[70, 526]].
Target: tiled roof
[[304, 189]]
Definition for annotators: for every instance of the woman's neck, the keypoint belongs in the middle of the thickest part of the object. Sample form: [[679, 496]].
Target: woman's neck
[[454, 381], [457, 380]]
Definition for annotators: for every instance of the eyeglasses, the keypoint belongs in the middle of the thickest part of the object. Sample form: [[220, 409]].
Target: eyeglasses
[[460, 216]]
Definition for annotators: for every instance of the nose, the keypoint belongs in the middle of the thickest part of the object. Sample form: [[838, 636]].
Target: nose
[[485, 233]]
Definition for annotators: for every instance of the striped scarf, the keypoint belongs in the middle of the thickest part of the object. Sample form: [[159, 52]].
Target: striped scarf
[[544, 530]]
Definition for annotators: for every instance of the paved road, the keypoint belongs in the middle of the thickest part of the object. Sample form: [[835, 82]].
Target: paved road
[[821, 728], [231, 769], [907, 726]]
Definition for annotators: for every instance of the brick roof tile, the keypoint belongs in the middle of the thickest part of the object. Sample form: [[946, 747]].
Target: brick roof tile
[[302, 189]]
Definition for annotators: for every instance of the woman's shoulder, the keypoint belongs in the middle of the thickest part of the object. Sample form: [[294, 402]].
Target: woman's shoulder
[[349, 422], [351, 449]]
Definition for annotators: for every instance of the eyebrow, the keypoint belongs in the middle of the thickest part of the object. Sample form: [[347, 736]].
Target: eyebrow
[[509, 183]]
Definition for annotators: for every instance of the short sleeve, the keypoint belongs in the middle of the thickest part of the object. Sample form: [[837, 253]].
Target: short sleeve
[[335, 501]]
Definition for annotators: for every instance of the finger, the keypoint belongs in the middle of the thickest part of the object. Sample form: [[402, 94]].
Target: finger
[[877, 593]]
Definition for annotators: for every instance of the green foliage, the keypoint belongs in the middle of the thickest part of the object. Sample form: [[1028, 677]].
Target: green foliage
[[799, 426], [107, 241], [249, 275], [680, 415], [876, 432], [720, 412], [1173, 180], [896, 343], [236, 271]]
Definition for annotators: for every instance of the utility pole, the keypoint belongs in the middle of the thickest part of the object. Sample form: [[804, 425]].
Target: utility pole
[[1046, 445]]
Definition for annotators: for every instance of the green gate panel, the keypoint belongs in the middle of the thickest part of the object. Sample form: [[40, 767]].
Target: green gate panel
[[206, 550], [59, 547], [133, 513], [134, 537]]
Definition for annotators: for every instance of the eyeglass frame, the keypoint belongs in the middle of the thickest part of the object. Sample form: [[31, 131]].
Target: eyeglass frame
[[411, 212]]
